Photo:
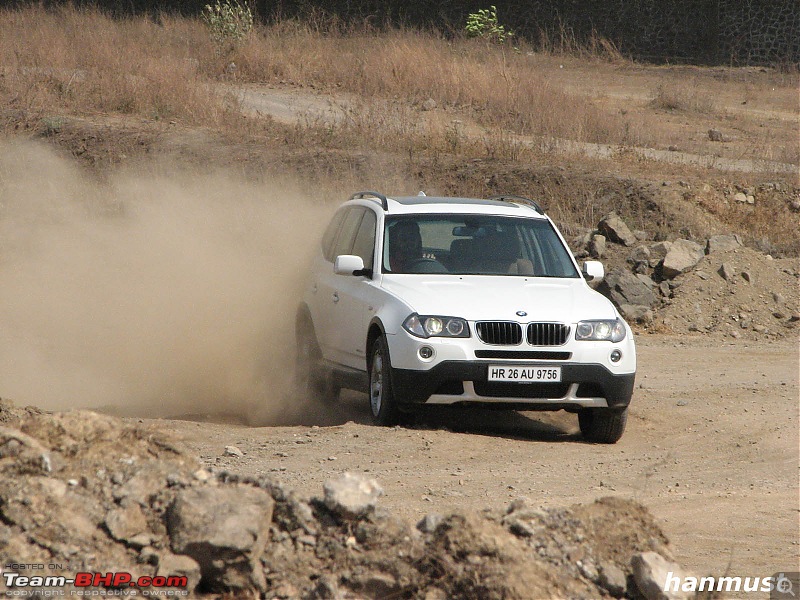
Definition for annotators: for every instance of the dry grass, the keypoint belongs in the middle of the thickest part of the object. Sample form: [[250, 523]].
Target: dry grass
[[82, 62], [164, 71], [500, 86], [684, 99]]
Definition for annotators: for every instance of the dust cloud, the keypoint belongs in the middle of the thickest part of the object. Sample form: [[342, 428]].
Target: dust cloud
[[154, 293]]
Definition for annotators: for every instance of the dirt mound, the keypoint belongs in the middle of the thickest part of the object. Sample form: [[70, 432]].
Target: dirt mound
[[738, 293], [82, 492]]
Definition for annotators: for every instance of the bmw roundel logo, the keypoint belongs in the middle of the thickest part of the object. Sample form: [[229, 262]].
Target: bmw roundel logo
[[522, 313]]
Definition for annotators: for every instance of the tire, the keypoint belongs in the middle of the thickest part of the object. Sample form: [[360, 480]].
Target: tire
[[310, 379], [602, 425], [382, 401]]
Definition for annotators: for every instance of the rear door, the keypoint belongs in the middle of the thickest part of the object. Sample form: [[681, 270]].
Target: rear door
[[357, 298], [328, 320]]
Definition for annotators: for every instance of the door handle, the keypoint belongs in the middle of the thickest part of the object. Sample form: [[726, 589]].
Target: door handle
[[335, 297]]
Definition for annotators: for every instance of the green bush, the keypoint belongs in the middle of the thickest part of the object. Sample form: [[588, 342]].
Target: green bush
[[484, 24], [229, 22]]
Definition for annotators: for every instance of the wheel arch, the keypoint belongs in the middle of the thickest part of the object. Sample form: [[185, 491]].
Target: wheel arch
[[375, 330], [303, 318]]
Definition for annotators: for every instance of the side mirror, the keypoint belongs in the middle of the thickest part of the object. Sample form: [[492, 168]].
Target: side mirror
[[593, 271], [348, 264]]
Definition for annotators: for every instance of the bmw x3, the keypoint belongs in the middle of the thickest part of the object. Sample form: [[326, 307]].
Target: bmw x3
[[465, 302]]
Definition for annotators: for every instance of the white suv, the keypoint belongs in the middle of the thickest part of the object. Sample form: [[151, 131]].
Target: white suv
[[459, 301]]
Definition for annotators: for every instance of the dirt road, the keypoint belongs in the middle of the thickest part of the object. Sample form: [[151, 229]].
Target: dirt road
[[711, 449]]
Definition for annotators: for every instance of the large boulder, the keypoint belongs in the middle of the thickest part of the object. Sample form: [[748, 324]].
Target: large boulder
[[623, 287], [225, 530], [723, 243], [615, 229], [656, 577], [682, 256]]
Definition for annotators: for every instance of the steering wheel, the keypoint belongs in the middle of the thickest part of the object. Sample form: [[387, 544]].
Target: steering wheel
[[426, 265]]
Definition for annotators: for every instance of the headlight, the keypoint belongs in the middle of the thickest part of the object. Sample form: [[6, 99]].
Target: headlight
[[608, 330], [435, 326]]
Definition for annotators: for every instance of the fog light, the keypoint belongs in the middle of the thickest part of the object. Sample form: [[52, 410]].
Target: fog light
[[616, 355], [425, 352]]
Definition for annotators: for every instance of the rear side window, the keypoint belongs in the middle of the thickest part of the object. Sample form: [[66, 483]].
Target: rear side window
[[364, 245], [347, 232], [329, 237]]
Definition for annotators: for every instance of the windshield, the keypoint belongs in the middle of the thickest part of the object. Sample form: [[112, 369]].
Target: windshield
[[474, 245]]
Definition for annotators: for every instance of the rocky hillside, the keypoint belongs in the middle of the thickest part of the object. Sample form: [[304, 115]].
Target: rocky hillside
[[714, 286]]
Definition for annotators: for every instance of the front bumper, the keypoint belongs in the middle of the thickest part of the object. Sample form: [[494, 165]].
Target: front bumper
[[455, 382]]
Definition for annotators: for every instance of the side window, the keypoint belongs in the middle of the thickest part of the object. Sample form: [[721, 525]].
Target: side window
[[364, 245], [347, 232], [329, 237]]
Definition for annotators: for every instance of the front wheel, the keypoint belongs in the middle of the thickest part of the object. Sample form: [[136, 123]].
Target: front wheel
[[603, 425], [382, 402]]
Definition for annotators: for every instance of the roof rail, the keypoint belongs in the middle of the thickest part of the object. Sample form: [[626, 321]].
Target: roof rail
[[381, 197], [521, 199]]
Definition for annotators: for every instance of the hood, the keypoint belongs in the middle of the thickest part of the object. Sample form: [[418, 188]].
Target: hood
[[489, 298]]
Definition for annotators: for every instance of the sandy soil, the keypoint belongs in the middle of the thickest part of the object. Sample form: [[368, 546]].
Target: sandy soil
[[711, 448]]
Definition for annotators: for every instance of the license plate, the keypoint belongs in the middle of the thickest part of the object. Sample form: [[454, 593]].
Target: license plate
[[520, 374]]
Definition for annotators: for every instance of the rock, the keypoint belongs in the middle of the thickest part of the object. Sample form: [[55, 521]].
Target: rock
[[639, 254], [641, 235], [635, 312], [723, 243], [429, 522], [715, 135], [751, 199], [623, 287], [795, 205], [651, 572], [683, 255], [233, 451], [597, 246], [747, 276], [126, 523], [225, 530], [659, 250], [778, 298], [180, 565], [645, 279], [22, 453], [740, 197], [146, 483], [435, 594], [665, 290], [779, 314], [429, 104], [351, 496], [794, 317], [612, 579], [377, 585], [140, 540], [615, 229], [727, 272], [327, 589]]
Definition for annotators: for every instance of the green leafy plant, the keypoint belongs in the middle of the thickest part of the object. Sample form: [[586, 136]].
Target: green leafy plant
[[229, 21], [484, 24]]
